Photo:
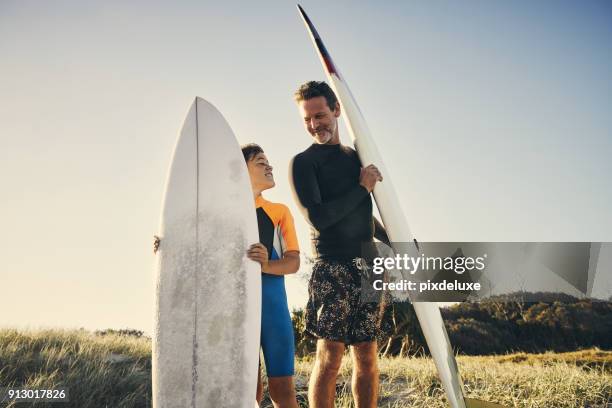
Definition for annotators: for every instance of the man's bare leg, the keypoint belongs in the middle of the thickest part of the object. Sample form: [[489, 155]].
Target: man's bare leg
[[365, 374], [322, 385], [282, 392]]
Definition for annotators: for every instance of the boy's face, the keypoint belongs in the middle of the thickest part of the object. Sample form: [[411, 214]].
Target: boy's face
[[260, 172], [320, 121]]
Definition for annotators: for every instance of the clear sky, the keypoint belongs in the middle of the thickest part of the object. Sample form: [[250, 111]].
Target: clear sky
[[493, 117]]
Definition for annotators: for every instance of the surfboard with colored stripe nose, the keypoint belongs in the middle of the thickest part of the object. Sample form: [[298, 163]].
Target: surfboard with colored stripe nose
[[395, 223]]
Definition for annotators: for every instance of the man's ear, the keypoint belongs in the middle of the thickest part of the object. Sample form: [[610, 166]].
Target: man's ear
[[337, 110]]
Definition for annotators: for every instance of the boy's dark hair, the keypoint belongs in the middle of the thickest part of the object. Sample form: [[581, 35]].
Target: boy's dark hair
[[250, 150], [312, 89]]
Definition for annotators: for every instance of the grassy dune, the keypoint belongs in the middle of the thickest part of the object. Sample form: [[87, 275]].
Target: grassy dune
[[115, 371], [99, 371], [580, 379]]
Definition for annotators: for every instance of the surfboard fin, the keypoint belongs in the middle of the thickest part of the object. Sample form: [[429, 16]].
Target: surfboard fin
[[475, 403]]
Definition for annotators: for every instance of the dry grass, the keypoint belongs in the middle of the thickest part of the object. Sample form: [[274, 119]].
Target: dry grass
[[559, 380], [99, 371], [115, 371]]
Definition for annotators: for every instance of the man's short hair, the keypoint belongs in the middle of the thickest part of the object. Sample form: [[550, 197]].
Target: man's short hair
[[250, 150], [312, 89]]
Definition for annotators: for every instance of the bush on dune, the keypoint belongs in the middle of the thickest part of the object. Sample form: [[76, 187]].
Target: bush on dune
[[500, 325]]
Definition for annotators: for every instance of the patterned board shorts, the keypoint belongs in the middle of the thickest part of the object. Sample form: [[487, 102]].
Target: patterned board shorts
[[336, 310]]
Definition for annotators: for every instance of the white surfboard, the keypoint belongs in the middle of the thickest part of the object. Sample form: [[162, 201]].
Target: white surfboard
[[395, 224], [208, 294]]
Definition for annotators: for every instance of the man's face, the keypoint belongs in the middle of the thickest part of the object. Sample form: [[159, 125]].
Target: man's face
[[320, 121], [260, 173]]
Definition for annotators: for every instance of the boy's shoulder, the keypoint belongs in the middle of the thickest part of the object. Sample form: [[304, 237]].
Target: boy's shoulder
[[277, 212], [280, 207]]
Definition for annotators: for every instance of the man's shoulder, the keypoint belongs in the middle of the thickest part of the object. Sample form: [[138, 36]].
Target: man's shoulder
[[303, 157], [348, 150]]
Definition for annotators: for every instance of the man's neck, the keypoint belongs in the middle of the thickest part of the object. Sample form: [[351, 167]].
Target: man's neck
[[334, 140]]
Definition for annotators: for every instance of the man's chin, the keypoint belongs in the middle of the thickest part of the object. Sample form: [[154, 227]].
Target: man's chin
[[322, 140]]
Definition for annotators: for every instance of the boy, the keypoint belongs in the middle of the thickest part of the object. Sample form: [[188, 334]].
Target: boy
[[278, 254]]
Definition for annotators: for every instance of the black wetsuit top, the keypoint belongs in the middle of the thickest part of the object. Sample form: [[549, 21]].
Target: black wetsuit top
[[325, 181]]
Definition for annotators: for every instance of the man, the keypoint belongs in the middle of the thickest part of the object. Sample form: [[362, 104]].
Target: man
[[333, 192]]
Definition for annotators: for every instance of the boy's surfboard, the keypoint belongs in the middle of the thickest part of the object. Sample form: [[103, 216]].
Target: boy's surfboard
[[208, 293]]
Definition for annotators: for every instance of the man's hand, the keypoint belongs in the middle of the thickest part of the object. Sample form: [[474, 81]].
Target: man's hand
[[259, 253], [155, 243], [369, 176]]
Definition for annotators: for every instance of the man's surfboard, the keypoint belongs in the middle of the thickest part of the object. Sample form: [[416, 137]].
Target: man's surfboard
[[208, 294], [395, 224]]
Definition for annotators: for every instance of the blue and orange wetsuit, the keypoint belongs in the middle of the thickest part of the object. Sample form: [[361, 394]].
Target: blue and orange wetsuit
[[277, 234]]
